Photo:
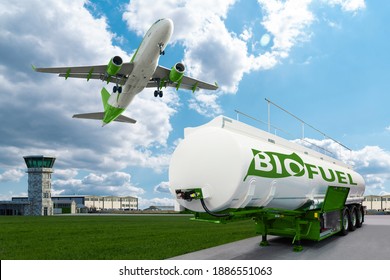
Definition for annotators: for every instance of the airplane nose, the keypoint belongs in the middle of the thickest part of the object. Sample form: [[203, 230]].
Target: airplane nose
[[168, 23]]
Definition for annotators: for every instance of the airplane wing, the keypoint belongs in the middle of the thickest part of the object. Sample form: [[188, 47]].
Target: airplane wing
[[162, 73], [91, 72]]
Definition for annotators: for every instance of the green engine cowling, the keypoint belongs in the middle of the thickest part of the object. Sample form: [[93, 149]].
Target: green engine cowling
[[114, 65], [177, 72]]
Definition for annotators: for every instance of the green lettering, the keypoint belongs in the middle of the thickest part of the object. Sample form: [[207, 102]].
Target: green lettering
[[277, 163], [351, 179], [263, 162], [310, 171], [331, 174], [293, 167], [341, 177]]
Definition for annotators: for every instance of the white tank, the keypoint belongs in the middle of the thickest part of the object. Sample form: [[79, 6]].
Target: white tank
[[237, 166]]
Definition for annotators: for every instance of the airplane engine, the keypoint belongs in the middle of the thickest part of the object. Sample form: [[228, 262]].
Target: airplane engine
[[114, 65], [177, 72]]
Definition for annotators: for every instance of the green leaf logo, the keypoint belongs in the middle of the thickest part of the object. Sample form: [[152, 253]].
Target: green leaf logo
[[275, 165]]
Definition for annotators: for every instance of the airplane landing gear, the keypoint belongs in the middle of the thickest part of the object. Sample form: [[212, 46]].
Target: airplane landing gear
[[117, 88], [158, 93], [161, 45]]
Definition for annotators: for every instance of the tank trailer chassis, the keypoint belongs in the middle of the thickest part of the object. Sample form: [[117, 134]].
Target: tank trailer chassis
[[332, 216]]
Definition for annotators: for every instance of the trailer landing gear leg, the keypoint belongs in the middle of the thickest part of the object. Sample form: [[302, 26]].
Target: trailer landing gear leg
[[297, 246], [264, 241]]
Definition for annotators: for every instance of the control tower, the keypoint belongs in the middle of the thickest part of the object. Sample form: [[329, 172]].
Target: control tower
[[39, 169]]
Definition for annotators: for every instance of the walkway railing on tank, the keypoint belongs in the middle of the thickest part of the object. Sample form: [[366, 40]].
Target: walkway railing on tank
[[294, 137]]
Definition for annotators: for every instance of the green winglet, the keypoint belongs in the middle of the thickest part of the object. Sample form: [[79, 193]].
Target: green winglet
[[194, 87], [216, 84], [90, 74], [33, 67], [67, 74]]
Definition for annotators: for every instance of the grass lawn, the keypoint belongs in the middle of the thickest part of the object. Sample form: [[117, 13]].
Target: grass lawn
[[112, 237]]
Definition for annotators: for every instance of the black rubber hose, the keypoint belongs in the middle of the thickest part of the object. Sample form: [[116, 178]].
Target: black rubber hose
[[211, 213]]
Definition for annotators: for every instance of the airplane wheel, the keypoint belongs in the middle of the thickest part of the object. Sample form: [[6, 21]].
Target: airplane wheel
[[114, 89], [119, 89], [156, 93], [160, 94]]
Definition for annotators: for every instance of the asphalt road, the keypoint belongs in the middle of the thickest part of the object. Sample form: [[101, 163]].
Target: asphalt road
[[370, 242]]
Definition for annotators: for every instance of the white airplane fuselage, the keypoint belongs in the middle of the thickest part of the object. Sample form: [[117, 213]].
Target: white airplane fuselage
[[145, 63]]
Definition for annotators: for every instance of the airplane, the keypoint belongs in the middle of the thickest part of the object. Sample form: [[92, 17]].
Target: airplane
[[130, 78]]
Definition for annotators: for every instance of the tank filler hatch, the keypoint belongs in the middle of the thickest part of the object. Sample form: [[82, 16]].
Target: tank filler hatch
[[335, 198]]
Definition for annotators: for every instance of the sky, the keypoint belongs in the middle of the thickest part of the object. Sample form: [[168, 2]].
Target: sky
[[326, 61]]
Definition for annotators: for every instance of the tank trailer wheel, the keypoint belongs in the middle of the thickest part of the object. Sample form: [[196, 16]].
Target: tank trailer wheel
[[359, 216], [353, 218], [345, 221]]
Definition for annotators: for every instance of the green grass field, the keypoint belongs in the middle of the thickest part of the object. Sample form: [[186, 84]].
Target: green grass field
[[111, 237]]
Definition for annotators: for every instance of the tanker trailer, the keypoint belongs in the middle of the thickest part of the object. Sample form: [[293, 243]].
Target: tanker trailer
[[226, 170]]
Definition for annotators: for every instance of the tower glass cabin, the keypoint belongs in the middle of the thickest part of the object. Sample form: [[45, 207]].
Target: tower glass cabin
[[39, 169]]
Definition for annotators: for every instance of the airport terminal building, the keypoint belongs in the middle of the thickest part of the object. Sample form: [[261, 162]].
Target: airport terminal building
[[40, 201], [71, 204]]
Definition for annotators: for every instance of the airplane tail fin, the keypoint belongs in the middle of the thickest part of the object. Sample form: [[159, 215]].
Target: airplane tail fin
[[105, 96], [100, 115]]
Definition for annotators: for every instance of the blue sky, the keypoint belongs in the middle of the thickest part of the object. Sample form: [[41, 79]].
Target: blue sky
[[326, 61]]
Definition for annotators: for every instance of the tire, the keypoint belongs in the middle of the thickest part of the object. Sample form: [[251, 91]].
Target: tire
[[155, 93], [114, 89], [345, 221], [353, 218], [161, 94], [119, 90], [360, 216]]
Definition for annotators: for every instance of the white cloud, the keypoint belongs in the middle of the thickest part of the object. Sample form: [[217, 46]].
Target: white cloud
[[163, 187], [205, 104], [375, 183], [246, 34], [348, 5], [65, 174], [114, 183], [214, 53], [287, 22], [12, 175]]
